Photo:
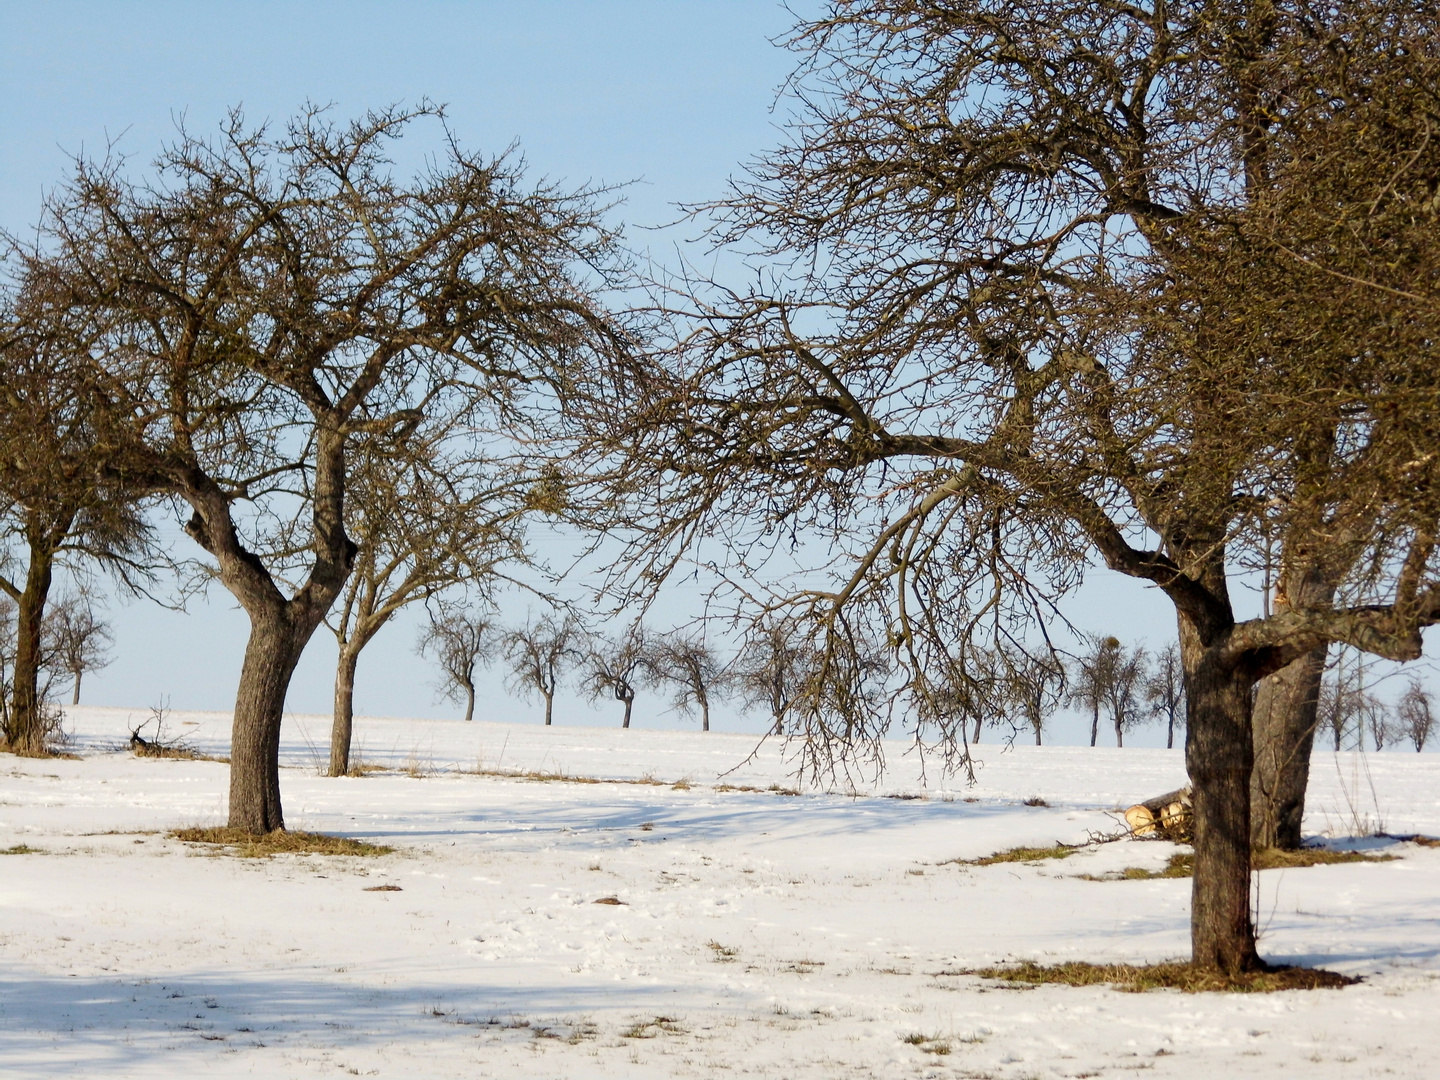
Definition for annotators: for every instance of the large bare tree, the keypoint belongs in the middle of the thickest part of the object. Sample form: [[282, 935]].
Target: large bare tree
[[1061, 281], [268, 298]]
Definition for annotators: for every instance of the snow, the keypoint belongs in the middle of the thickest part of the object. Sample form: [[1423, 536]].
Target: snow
[[757, 934]]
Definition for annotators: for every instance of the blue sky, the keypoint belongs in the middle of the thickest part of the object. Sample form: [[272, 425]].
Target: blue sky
[[670, 98]]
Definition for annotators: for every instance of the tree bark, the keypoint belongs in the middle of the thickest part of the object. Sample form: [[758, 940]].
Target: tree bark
[[1119, 735], [1037, 733], [343, 724], [1218, 756], [705, 716], [1170, 732], [469, 702], [271, 654], [27, 725], [1287, 707], [75, 697], [1095, 725], [628, 702], [549, 706]]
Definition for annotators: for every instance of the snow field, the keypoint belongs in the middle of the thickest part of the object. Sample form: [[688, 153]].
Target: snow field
[[755, 933]]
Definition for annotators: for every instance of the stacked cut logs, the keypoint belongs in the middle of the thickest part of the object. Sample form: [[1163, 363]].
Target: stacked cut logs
[[1165, 816]]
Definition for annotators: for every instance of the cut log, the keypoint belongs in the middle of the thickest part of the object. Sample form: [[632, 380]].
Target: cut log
[[1165, 816]]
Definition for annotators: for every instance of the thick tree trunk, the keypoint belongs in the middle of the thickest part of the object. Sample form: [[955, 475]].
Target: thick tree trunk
[[974, 739], [1119, 734], [469, 702], [1170, 733], [1286, 711], [1218, 756], [343, 723], [1095, 725], [628, 702], [271, 654], [1287, 706], [549, 707], [1037, 733], [26, 733], [75, 697], [705, 716]]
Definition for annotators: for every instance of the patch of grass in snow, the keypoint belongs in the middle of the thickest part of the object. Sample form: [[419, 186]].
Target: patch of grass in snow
[[1182, 864], [23, 849], [280, 842], [773, 789], [1020, 854], [1135, 979], [724, 954], [1036, 800], [649, 1029], [930, 1044]]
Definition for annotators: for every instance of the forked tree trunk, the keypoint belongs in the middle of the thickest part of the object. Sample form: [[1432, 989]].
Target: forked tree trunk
[[1286, 710], [27, 724], [343, 723], [271, 654], [1218, 756]]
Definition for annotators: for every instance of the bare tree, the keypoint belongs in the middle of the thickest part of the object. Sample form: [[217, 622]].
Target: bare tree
[[66, 495], [1375, 717], [77, 640], [1092, 676], [431, 519], [1165, 691], [616, 668], [7, 657], [538, 653], [771, 669], [688, 664], [1033, 685], [269, 300], [1055, 282], [460, 641], [1415, 714]]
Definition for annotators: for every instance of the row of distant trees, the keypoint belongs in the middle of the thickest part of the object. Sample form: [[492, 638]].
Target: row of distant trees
[[74, 640]]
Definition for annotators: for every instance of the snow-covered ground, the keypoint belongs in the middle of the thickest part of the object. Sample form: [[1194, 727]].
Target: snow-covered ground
[[757, 934]]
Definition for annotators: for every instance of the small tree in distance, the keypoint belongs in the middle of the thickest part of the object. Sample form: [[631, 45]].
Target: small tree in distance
[[771, 669], [1415, 714], [1032, 685], [1165, 691], [615, 667], [459, 641], [537, 653], [689, 665], [76, 641]]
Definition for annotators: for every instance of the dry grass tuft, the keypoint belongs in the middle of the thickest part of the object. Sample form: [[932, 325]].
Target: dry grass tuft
[[1182, 865], [1135, 979], [1036, 800], [1020, 854], [280, 842], [23, 849]]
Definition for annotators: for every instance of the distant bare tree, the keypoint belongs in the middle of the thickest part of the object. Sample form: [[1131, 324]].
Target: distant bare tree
[[1375, 718], [1032, 684], [459, 641], [689, 665], [7, 657], [537, 654], [770, 670], [76, 641], [616, 667], [1165, 691], [1090, 678], [1415, 714]]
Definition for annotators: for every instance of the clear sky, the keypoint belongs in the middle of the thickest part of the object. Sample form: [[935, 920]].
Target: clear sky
[[672, 96]]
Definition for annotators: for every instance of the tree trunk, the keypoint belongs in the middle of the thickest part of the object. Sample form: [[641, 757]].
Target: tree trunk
[[1037, 733], [1119, 733], [1095, 725], [549, 706], [469, 702], [343, 723], [1170, 732], [26, 733], [974, 740], [1287, 709], [628, 702], [705, 716], [1218, 755], [270, 657], [75, 697]]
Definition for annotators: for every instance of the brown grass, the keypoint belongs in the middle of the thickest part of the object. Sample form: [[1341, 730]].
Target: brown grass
[[1134, 979], [23, 849], [1182, 865], [1019, 854], [280, 842]]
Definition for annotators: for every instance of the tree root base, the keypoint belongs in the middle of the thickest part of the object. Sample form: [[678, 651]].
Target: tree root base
[[1136, 979], [280, 842]]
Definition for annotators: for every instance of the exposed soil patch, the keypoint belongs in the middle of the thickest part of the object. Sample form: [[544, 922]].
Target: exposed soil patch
[[280, 842], [1136, 979]]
